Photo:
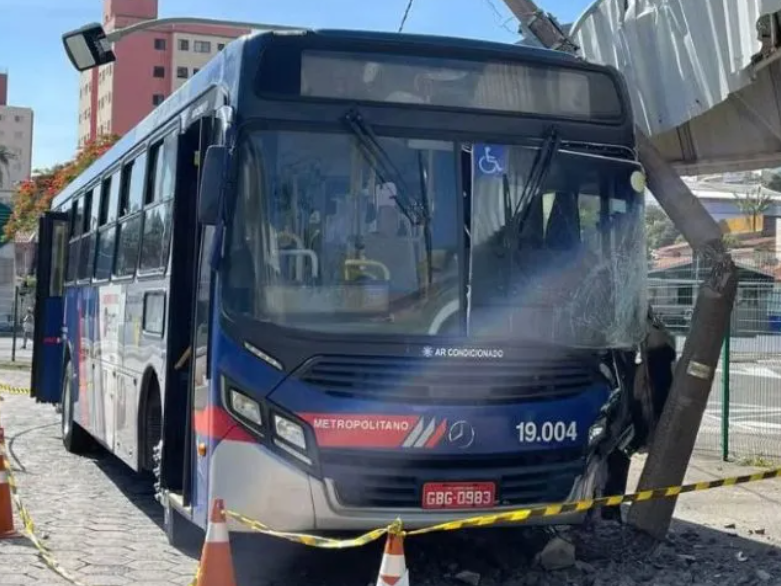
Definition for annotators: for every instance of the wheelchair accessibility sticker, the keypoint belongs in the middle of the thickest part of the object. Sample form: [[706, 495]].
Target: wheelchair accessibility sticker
[[489, 159]]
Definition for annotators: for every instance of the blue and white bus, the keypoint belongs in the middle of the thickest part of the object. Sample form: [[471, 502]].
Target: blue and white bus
[[344, 277]]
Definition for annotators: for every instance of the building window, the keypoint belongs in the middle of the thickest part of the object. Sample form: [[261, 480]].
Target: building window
[[181, 72], [157, 99], [158, 71], [184, 45], [195, 70], [220, 46], [160, 44], [202, 46], [17, 118]]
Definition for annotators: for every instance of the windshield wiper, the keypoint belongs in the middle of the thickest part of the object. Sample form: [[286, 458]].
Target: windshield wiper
[[417, 211], [426, 205], [387, 172], [538, 174]]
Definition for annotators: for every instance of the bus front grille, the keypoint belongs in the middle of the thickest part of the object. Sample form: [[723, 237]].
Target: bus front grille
[[396, 481], [449, 382]]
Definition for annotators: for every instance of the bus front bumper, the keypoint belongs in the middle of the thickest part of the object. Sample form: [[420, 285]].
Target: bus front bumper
[[259, 485]]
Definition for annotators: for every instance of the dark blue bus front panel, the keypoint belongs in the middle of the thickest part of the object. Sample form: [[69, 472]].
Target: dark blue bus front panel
[[366, 461]]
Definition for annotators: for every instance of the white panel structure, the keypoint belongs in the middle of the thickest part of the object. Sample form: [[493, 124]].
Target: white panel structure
[[702, 75]]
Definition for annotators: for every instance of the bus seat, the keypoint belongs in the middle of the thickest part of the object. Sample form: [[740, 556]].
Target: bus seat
[[563, 231], [396, 252]]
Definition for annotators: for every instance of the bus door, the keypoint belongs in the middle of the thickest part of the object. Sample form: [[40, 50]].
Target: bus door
[[213, 133], [46, 383]]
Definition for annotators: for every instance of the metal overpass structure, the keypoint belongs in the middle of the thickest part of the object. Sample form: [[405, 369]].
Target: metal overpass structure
[[705, 76]]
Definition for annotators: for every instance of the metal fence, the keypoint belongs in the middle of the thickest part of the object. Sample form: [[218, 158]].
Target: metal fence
[[743, 418]]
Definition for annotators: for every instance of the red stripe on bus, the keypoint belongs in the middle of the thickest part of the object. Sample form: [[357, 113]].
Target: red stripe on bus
[[440, 431], [216, 423]]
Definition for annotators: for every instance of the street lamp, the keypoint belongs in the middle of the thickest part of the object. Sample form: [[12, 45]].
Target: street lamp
[[90, 46]]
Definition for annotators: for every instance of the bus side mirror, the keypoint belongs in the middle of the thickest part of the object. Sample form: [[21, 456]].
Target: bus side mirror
[[212, 177]]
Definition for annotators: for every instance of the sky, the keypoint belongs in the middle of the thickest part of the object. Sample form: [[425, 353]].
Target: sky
[[41, 77]]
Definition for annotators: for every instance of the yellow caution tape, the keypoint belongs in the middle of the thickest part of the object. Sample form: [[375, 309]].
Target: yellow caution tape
[[197, 575], [12, 390], [29, 527], [310, 540], [516, 516]]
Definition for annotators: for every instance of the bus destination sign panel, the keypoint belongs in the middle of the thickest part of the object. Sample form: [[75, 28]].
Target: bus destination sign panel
[[518, 87]]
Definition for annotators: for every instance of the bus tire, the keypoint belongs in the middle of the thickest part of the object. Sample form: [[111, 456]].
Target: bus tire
[[75, 439]]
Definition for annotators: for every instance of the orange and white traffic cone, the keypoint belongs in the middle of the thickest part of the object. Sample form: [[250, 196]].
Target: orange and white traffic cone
[[6, 505], [393, 570], [216, 562]]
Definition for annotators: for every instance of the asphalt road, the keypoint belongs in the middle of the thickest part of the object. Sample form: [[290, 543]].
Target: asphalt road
[[754, 412]]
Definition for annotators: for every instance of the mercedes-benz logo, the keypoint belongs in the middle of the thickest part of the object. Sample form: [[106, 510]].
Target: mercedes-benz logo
[[461, 435]]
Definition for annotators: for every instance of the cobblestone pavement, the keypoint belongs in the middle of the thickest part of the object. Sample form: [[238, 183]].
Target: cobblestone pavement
[[99, 519], [102, 524]]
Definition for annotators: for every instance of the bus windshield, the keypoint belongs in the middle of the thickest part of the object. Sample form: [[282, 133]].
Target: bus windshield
[[564, 261], [322, 239]]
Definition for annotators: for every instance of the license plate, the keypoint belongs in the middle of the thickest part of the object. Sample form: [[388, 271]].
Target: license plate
[[459, 495]]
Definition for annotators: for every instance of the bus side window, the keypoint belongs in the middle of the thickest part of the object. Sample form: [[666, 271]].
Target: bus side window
[[87, 247], [76, 225], [106, 236], [158, 201], [129, 229]]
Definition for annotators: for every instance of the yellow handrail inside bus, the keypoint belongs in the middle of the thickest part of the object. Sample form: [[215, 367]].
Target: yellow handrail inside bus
[[297, 239], [354, 268]]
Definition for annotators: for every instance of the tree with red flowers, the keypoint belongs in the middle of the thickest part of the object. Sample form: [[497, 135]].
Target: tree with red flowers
[[34, 196]]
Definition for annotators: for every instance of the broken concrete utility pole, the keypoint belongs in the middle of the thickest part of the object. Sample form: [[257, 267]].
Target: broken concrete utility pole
[[676, 433]]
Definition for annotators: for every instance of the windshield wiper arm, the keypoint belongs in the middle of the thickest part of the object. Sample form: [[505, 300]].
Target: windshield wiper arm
[[426, 208], [538, 173], [377, 157], [541, 166]]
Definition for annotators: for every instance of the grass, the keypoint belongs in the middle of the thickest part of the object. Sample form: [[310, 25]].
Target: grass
[[18, 365], [756, 462]]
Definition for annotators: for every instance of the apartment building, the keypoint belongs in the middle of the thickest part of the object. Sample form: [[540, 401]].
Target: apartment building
[[16, 135], [150, 66]]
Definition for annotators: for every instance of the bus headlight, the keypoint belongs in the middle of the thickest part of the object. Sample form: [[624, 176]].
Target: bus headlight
[[596, 433], [289, 431], [245, 407]]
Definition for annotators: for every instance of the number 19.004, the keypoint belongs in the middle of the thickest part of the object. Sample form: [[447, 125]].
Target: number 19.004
[[529, 432]]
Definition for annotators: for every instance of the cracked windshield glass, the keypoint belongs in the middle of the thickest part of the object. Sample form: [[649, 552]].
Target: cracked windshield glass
[[454, 293]]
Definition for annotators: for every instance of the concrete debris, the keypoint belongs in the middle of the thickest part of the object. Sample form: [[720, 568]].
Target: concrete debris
[[558, 554], [763, 575], [467, 577], [585, 567]]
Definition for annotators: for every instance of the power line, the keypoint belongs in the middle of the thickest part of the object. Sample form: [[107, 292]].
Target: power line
[[406, 14], [502, 17]]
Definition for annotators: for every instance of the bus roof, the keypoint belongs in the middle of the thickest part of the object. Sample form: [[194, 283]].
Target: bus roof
[[444, 42], [222, 71]]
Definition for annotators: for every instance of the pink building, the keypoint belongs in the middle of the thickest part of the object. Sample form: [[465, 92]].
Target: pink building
[[150, 65], [3, 88]]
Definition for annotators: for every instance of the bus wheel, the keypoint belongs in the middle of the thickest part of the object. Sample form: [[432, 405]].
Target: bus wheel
[[74, 438]]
